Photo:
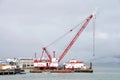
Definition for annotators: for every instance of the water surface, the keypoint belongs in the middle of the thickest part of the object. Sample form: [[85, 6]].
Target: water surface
[[100, 73]]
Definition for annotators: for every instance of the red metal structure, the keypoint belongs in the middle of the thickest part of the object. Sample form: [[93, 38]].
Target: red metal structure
[[53, 62], [75, 38], [49, 56]]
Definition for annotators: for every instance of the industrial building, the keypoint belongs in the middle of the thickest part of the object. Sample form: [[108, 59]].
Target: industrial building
[[25, 63]]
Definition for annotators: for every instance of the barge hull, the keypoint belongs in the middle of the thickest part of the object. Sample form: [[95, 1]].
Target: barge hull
[[62, 71]]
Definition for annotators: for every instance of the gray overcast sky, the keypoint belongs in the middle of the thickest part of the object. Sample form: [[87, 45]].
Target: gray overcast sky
[[28, 25]]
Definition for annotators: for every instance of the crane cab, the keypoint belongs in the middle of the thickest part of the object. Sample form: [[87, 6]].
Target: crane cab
[[74, 64]]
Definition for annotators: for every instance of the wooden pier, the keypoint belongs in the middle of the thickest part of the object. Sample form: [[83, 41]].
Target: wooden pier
[[7, 72], [11, 72]]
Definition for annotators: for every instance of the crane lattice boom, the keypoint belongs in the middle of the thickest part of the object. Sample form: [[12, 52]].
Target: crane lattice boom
[[76, 37]]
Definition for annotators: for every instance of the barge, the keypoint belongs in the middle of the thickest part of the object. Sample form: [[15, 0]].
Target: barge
[[63, 71], [75, 68]]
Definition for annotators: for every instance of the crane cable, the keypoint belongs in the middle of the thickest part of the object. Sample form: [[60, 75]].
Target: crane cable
[[65, 34], [94, 21]]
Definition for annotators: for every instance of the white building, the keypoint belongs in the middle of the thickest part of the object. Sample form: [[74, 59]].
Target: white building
[[26, 63]]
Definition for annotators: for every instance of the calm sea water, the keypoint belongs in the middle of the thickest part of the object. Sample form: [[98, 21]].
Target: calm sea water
[[100, 73]]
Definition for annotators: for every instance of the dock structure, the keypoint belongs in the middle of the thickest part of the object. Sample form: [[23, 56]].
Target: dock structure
[[12, 71], [8, 69], [7, 72]]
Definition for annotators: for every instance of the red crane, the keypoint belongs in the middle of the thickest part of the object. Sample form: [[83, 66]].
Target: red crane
[[76, 37], [53, 62], [71, 43], [46, 51]]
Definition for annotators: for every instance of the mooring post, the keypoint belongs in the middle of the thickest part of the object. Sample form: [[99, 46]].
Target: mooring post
[[90, 65]]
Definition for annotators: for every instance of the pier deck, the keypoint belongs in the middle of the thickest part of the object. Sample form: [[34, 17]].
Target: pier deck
[[7, 72]]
